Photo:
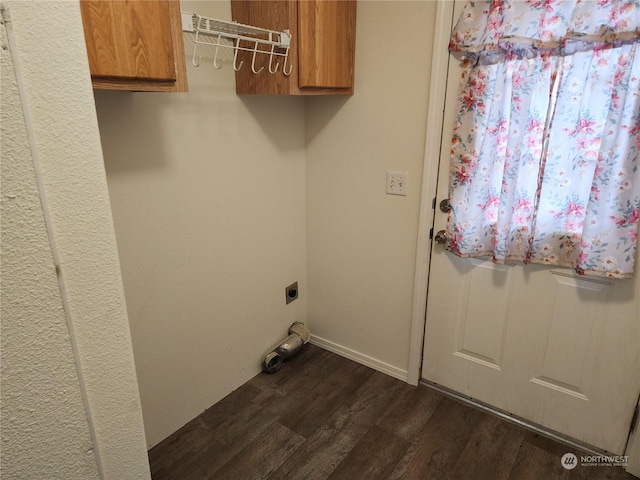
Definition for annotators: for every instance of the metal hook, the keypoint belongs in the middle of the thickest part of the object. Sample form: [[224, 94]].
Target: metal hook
[[196, 63], [235, 56], [253, 60], [215, 57], [284, 67], [271, 60]]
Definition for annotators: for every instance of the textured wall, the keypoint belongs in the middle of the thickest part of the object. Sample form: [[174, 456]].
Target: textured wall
[[362, 242], [53, 77], [44, 425], [208, 197]]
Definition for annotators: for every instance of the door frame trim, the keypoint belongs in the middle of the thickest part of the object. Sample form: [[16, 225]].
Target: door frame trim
[[633, 450], [433, 140]]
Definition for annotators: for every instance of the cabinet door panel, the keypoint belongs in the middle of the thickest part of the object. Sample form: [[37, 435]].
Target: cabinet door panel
[[274, 15], [326, 30], [129, 39]]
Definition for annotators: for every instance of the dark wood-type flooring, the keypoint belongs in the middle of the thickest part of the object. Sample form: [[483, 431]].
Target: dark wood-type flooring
[[325, 417]]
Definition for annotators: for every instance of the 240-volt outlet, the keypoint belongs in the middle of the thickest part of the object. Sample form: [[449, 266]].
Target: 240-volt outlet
[[291, 292]]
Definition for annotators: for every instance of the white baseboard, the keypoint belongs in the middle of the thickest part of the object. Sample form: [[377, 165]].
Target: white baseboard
[[360, 358]]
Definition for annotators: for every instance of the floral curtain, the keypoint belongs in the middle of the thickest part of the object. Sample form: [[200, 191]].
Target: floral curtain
[[545, 155]]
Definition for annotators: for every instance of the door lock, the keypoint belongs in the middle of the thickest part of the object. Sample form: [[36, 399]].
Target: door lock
[[445, 206], [441, 237]]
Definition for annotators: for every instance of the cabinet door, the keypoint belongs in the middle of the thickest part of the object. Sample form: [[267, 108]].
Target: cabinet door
[[128, 39], [326, 31], [274, 15], [133, 40], [322, 47]]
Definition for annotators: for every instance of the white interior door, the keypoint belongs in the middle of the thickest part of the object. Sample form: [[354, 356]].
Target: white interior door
[[547, 345]]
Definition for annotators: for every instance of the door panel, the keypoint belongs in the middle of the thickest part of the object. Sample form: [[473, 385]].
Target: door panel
[[557, 349], [579, 373], [483, 319], [572, 332]]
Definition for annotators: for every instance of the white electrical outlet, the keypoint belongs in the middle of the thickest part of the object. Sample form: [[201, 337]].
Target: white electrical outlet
[[397, 183]]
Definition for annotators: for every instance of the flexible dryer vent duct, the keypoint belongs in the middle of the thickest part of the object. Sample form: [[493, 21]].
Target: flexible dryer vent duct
[[298, 337]]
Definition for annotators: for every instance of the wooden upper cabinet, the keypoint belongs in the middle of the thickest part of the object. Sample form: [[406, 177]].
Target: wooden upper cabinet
[[322, 51], [326, 33], [135, 44]]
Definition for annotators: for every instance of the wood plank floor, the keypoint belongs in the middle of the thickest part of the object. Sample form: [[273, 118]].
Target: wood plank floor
[[326, 417]]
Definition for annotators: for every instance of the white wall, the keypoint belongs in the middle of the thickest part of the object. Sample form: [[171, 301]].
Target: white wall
[[70, 404], [208, 198], [216, 199], [361, 242]]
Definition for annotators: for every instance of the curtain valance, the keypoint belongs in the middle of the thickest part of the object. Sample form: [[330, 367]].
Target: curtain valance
[[492, 28]]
